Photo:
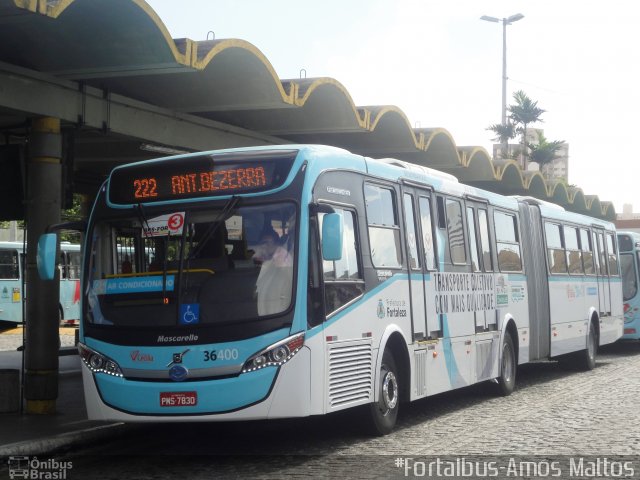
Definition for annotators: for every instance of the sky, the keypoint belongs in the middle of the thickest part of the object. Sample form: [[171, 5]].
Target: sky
[[442, 66]]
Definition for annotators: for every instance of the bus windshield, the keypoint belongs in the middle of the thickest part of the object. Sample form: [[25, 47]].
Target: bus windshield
[[192, 266]]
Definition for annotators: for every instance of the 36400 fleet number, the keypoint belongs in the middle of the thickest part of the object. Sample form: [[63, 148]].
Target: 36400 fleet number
[[222, 354]]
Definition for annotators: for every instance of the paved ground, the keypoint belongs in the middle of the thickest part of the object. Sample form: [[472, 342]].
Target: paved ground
[[554, 412], [11, 339]]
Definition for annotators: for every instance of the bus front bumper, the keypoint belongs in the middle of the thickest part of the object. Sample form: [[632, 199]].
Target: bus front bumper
[[268, 393]]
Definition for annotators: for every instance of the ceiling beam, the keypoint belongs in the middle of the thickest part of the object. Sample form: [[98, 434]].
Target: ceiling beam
[[38, 94]]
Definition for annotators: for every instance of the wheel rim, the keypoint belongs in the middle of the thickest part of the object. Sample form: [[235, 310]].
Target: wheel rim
[[389, 392], [507, 364]]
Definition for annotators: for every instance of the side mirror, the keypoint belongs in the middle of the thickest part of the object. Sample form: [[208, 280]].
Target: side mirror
[[332, 233], [46, 258]]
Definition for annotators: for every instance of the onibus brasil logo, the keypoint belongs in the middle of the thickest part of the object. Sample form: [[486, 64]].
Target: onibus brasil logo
[[33, 468]]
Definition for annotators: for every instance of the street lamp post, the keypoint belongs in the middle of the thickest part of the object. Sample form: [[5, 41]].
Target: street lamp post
[[505, 22]]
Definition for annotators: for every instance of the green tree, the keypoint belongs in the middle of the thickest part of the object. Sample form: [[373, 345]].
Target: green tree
[[503, 133], [524, 113], [71, 215], [545, 151]]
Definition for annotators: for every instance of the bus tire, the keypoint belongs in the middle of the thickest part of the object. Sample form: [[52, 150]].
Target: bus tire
[[508, 367], [586, 359], [384, 412]]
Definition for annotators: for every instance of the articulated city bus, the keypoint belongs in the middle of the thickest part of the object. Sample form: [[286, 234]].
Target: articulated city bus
[[12, 283], [301, 280], [629, 262]]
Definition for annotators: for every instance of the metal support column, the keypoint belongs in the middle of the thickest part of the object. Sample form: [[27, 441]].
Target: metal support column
[[43, 208]]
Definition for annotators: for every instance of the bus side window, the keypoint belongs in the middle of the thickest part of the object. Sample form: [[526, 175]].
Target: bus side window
[[384, 229], [73, 259], [507, 242], [62, 265], [315, 304], [587, 252], [602, 255], [473, 240], [483, 223], [427, 233], [9, 264], [555, 248], [574, 254], [612, 255], [596, 254], [455, 229], [629, 283], [343, 280], [409, 220]]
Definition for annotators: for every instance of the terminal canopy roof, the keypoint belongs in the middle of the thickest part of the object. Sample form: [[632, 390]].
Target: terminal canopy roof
[[125, 90]]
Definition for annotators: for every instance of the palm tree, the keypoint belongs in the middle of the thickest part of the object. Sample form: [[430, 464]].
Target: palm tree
[[524, 113], [503, 133], [544, 152]]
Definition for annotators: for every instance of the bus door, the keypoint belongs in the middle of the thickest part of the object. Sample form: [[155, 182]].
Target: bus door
[[414, 264], [432, 326], [482, 294], [602, 271], [481, 264]]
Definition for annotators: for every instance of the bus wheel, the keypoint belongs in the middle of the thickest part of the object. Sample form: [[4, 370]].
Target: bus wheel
[[586, 359], [384, 412], [507, 378]]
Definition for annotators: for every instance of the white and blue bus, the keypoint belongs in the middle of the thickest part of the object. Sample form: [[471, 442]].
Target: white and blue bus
[[12, 283], [629, 264], [301, 280]]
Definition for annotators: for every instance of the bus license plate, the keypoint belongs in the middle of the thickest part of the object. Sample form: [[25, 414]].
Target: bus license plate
[[178, 399]]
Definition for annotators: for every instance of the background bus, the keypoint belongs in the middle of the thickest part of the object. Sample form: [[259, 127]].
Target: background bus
[[12, 270], [629, 260], [302, 280]]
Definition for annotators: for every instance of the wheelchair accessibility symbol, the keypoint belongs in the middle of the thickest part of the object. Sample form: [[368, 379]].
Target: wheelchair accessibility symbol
[[189, 313]]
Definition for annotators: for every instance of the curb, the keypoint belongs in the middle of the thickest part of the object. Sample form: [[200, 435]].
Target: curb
[[44, 446]]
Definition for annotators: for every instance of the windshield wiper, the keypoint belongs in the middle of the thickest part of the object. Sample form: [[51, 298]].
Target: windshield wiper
[[213, 228], [144, 223], [141, 216]]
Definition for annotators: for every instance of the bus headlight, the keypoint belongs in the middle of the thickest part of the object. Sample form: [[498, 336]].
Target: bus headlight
[[98, 363], [276, 354]]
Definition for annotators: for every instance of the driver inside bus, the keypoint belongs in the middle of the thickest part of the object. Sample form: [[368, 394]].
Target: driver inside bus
[[274, 283], [266, 247]]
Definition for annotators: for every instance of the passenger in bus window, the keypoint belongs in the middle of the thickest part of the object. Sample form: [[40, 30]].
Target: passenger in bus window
[[126, 265]]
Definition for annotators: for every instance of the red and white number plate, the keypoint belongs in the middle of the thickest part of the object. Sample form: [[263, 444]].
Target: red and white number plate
[[178, 399]]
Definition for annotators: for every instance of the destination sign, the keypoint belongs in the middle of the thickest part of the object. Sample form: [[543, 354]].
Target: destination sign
[[200, 176]]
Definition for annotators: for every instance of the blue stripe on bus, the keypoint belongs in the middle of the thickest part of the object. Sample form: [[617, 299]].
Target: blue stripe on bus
[[581, 278], [453, 371], [367, 296], [455, 378]]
